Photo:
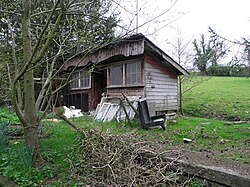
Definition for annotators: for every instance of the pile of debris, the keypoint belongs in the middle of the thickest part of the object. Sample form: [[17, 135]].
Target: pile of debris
[[100, 159], [72, 112], [116, 108]]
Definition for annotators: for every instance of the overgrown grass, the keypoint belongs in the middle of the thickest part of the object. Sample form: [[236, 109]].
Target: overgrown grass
[[15, 159], [206, 135], [218, 97]]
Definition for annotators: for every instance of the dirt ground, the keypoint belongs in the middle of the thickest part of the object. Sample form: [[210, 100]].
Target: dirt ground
[[211, 158]]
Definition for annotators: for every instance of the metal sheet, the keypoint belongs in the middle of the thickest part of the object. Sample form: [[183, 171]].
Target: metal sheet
[[127, 49]]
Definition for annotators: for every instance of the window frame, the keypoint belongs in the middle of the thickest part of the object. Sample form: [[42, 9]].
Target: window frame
[[136, 72], [124, 74], [78, 78], [110, 77]]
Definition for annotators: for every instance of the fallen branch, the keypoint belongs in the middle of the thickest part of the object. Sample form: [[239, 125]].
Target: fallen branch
[[119, 161], [79, 130]]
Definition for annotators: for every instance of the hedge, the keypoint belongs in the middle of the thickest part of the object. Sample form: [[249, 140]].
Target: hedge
[[233, 71]]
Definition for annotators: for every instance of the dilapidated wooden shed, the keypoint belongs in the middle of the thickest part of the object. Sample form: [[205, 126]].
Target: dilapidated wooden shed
[[133, 66]]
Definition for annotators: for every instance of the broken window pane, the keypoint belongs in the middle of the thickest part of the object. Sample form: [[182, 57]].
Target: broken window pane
[[116, 75], [133, 73]]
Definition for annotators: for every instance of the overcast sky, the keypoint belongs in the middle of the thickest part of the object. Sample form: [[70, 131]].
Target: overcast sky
[[229, 18]]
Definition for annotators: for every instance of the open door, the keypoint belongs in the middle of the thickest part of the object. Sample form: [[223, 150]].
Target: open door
[[99, 85]]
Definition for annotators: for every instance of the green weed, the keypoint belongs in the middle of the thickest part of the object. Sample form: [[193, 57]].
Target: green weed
[[8, 116], [26, 157]]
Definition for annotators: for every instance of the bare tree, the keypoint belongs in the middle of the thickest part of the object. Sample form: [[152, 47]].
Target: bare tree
[[182, 53], [44, 49]]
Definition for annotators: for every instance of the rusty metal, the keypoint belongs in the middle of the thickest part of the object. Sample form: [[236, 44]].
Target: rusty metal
[[126, 49]]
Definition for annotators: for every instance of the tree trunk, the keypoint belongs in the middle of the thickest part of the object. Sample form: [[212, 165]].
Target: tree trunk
[[32, 139], [31, 127]]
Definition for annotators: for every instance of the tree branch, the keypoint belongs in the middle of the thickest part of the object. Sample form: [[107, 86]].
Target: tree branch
[[27, 64]]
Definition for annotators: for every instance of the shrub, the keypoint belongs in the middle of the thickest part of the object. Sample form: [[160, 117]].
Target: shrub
[[232, 71], [8, 115]]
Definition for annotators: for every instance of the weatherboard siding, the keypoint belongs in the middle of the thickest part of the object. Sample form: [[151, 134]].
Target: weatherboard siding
[[160, 87], [128, 91]]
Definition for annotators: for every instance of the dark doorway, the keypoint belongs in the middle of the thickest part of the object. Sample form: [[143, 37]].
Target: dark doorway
[[99, 86], [79, 100]]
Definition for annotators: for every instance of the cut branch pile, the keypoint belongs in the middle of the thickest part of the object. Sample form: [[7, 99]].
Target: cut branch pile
[[105, 160]]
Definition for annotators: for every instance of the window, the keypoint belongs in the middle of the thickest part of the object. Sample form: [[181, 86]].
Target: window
[[80, 79], [74, 80], [84, 79], [133, 73], [126, 74], [116, 75]]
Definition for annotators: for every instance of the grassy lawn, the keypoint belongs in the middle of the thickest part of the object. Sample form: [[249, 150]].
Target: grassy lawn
[[210, 135], [218, 97]]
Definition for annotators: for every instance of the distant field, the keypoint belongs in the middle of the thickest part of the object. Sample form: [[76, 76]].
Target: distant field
[[218, 97]]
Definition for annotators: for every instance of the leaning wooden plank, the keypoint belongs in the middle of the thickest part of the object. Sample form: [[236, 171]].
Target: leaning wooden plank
[[130, 104], [123, 107], [131, 112], [120, 115]]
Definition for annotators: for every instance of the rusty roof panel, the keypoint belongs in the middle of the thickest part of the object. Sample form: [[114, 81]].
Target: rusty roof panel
[[130, 48]]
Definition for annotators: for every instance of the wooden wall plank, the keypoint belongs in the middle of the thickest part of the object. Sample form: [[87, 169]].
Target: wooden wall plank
[[160, 86]]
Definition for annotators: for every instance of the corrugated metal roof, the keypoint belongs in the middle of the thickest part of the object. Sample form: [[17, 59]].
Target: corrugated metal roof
[[133, 45]]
